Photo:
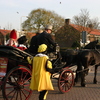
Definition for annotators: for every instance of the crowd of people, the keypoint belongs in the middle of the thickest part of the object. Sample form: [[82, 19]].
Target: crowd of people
[[41, 37]]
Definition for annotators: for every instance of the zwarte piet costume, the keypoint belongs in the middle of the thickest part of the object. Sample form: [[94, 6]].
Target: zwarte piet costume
[[40, 80]]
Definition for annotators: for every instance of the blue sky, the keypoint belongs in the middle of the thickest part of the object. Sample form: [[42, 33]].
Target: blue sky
[[11, 11]]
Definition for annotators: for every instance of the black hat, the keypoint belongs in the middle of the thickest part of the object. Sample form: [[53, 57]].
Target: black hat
[[22, 40]]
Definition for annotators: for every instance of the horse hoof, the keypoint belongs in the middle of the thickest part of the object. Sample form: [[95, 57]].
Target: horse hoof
[[95, 82], [83, 85], [74, 84]]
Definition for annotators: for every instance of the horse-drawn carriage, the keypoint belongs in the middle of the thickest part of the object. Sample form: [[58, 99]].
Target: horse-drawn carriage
[[15, 74]]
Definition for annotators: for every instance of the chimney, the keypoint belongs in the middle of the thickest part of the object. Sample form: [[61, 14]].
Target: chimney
[[67, 21]]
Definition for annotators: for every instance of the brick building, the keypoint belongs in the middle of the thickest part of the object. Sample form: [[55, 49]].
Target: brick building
[[71, 33]]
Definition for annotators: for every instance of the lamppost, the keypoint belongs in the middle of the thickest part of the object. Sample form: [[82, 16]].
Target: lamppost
[[21, 23]]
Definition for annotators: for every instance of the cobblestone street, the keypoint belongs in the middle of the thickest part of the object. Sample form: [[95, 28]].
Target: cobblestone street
[[91, 92]]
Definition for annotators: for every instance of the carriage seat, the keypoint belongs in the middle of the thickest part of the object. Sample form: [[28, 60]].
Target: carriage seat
[[12, 51]]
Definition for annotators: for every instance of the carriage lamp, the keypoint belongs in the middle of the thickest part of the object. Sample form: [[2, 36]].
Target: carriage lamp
[[57, 48]]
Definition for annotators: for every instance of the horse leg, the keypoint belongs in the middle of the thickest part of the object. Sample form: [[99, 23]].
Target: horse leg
[[84, 73], [79, 68], [83, 80], [95, 74], [76, 78]]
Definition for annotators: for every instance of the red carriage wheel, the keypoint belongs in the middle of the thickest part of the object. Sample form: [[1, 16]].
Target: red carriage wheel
[[65, 81], [16, 84]]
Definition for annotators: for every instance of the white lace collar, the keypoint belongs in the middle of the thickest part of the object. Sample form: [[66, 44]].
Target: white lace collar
[[41, 55]]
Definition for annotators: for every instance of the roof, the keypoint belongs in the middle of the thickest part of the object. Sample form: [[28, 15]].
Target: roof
[[89, 30], [95, 32], [30, 35], [4, 32]]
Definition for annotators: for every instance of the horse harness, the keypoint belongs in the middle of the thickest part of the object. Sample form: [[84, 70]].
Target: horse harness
[[86, 68]]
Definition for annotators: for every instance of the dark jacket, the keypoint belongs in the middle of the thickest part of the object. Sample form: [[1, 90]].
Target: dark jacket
[[33, 45], [45, 38]]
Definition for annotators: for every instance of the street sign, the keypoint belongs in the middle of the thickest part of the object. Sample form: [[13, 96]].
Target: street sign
[[84, 36]]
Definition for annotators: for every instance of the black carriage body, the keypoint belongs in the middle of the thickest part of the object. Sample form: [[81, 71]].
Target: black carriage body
[[16, 81], [15, 56]]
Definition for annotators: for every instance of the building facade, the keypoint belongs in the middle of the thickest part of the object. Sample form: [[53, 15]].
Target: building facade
[[70, 34]]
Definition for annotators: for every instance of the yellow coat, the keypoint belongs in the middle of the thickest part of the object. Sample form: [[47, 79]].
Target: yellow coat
[[40, 77]]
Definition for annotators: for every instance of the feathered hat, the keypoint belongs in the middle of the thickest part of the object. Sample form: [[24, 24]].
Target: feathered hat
[[42, 48], [22, 40], [13, 34]]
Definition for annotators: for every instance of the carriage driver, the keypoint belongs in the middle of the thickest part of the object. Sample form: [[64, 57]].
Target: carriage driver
[[46, 38], [41, 72]]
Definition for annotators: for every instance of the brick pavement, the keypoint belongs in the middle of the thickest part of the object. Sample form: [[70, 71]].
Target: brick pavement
[[91, 92]]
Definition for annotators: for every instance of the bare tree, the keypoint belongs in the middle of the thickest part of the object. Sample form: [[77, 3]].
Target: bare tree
[[95, 23], [83, 19]]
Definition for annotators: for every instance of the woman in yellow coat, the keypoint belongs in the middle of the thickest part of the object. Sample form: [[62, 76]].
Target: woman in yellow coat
[[40, 76]]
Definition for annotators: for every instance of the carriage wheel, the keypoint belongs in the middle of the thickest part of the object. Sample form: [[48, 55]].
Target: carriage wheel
[[16, 84], [65, 81]]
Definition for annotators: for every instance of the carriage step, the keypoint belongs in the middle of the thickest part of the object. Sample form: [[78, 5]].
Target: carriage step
[[55, 78], [73, 68]]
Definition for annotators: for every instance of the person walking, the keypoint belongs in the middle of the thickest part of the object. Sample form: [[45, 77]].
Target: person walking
[[41, 72]]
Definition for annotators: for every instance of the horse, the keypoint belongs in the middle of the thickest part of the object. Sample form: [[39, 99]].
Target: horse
[[83, 58], [69, 56], [86, 58]]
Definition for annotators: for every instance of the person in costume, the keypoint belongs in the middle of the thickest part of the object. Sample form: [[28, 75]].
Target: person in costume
[[41, 72], [22, 43], [13, 39]]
